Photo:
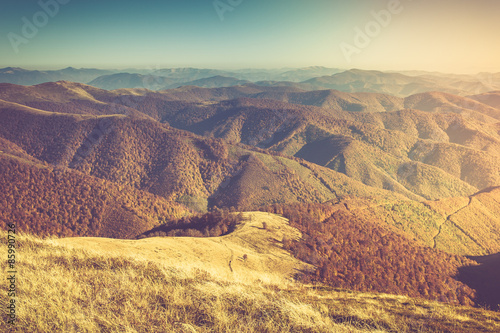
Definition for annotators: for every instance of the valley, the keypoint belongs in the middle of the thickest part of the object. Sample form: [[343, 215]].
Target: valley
[[378, 197]]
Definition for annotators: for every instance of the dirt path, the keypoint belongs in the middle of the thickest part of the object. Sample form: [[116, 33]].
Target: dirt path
[[448, 220], [265, 258]]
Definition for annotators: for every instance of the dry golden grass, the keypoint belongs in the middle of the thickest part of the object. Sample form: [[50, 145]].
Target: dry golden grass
[[64, 288], [248, 254]]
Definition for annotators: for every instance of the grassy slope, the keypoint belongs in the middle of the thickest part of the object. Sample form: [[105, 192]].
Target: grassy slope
[[475, 219], [222, 256], [461, 225], [116, 288]]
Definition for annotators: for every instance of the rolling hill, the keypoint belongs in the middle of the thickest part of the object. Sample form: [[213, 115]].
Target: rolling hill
[[63, 202], [222, 256], [151, 158], [397, 84], [297, 152], [491, 98], [422, 154], [196, 173], [132, 80], [443, 102], [426, 143], [384, 193], [218, 289], [213, 82], [402, 84]]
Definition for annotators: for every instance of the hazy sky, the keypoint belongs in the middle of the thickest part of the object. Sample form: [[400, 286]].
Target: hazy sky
[[458, 36]]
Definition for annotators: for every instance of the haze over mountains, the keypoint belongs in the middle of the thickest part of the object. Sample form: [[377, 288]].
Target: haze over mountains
[[309, 78], [171, 76], [413, 158]]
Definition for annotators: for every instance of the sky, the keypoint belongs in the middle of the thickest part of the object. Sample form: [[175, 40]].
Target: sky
[[454, 36]]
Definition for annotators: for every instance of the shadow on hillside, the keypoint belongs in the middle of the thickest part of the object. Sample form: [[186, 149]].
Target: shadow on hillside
[[323, 151], [485, 278]]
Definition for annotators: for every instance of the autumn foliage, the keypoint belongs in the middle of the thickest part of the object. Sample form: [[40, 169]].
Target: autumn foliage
[[360, 255], [216, 223], [47, 201]]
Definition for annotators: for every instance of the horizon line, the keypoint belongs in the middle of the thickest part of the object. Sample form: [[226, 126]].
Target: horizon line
[[41, 69]]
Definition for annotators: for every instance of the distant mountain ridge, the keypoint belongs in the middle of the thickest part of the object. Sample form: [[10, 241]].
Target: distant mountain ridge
[[312, 78], [22, 76], [25, 77]]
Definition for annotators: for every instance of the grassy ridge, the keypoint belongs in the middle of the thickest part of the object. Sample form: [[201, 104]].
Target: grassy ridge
[[63, 289]]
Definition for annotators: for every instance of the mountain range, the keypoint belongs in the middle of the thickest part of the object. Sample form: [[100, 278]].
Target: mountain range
[[313, 78], [428, 151], [375, 171]]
